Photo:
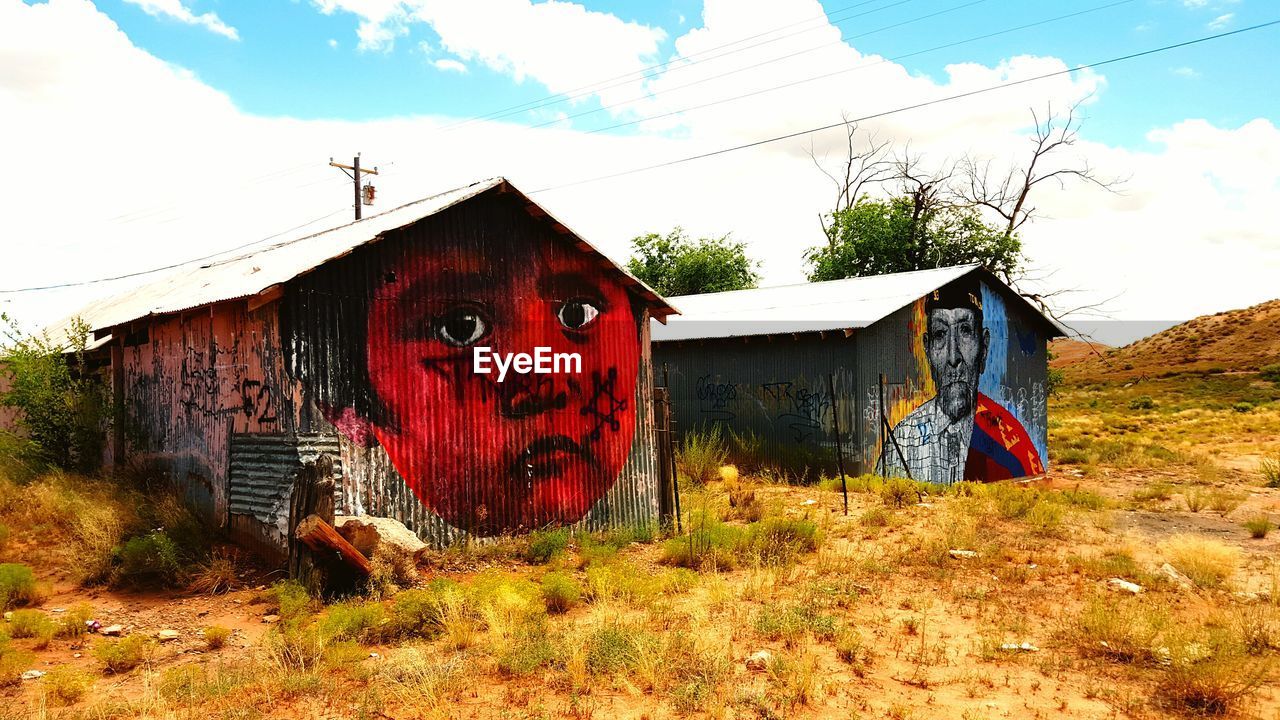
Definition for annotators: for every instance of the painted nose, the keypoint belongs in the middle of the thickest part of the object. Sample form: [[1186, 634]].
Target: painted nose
[[528, 395]]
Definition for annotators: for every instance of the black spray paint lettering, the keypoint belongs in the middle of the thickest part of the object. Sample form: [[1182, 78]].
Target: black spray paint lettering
[[604, 404], [714, 398]]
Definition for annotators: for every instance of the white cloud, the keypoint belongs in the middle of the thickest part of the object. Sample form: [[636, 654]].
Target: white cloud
[[517, 44], [1193, 232], [1194, 4], [449, 65], [1221, 21], [1186, 72], [333, 43], [175, 10]]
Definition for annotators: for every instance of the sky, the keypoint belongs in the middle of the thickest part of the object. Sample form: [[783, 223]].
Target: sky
[[145, 133]]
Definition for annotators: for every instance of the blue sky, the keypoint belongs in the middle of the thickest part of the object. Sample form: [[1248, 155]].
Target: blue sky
[[284, 63], [231, 104]]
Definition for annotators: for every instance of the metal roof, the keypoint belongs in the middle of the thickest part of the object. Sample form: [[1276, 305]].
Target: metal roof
[[247, 274], [810, 307]]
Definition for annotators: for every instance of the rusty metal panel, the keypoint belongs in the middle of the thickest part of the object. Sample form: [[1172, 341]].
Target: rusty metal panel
[[261, 472], [381, 345], [772, 392], [198, 378]]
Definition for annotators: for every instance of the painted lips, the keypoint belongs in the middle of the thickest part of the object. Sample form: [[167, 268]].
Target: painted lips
[[548, 457]]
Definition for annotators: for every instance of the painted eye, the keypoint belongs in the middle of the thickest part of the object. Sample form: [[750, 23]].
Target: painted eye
[[461, 326], [577, 314]]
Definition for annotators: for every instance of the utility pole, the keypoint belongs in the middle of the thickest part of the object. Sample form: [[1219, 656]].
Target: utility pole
[[353, 171]]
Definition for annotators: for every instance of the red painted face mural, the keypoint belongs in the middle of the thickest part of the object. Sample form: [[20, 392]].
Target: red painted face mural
[[534, 449]]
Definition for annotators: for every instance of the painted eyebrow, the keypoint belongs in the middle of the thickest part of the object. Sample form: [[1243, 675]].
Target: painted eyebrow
[[465, 284], [567, 285]]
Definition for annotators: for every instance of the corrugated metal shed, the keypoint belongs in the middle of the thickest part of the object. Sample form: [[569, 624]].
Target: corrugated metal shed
[[251, 273], [806, 307]]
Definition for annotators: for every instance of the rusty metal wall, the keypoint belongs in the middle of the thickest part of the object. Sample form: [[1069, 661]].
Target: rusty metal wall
[[449, 452], [774, 388], [191, 382]]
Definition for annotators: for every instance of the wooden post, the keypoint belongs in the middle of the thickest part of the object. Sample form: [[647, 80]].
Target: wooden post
[[835, 422], [312, 494]]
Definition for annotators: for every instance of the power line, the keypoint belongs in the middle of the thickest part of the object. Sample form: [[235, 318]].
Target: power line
[[645, 73], [843, 71], [174, 265], [917, 106], [788, 56]]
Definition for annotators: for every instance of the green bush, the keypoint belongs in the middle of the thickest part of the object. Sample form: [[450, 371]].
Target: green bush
[[560, 592], [32, 624], [701, 454], [118, 656], [1270, 372], [777, 540], [530, 650], [1259, 526], [17, 585], [61, 410], [72, 623], [708, 544], [1142, 402], [354, 620], [419, 612], [66, 685], [1243, 406], [290, 600], [148, 560], [546, 544]]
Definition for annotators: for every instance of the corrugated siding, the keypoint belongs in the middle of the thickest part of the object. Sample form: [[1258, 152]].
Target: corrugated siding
[[440, 427], [262, 469], [325, 362], [775, 388]]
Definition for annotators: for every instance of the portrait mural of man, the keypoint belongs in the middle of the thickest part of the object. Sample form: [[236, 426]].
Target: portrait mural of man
[[960, 433], [485, 456]]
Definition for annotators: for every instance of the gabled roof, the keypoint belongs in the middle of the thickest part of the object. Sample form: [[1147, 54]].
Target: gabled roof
[[247, 274], [813, 307]]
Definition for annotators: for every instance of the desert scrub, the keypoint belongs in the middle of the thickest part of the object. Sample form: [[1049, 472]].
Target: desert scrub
[[900, 492], [791, 623], [528, 651], [148, 560], [1259, 526], [851, 649], [216, 636], [118, 656], [33, 624], [708, 544], [289, 599], [17, 585], [354, 620], [216, 574], [1207, 562], [73, 623], [1121, 631], [1269, 469], [544, 545], [65, 685], [875, 517], [701, 454], [1209, 677], [419, 613], [1156, 491], [560, 592]]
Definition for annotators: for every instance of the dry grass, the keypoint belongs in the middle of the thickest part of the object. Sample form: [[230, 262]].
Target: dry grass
[[1207, 562]]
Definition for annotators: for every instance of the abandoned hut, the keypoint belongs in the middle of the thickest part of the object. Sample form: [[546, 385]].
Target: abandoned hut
[[940, 375], [359, 343]]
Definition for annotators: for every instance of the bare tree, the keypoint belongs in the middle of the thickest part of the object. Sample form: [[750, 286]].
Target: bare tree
[[929, 191], [860, 168], [1009, 195]]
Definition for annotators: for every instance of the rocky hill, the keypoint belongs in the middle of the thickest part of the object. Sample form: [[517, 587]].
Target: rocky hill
[[1231, 341]]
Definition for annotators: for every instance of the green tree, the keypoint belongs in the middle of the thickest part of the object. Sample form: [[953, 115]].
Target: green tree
[[873, 237], [63, 404], [674, 264]]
